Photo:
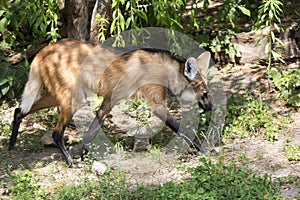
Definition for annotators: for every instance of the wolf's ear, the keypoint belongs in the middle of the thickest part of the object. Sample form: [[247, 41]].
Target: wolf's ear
[[203, 63], [191, 69]]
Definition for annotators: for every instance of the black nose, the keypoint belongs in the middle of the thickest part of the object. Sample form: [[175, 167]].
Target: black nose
[[205, 106], [205, 102]]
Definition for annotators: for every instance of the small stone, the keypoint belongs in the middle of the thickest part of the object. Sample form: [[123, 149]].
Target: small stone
[[141, 144], [47, 139], [76, 150], [36, 126], [291, 193], [99, 167]]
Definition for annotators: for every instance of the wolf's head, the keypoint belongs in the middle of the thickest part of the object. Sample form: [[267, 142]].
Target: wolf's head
[[195, 71]]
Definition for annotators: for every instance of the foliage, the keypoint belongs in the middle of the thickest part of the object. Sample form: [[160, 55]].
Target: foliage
[[292, 151], [250, 117], [11, 78], [5, 123], [23, 20], [26, 187], [224, 23], [208, 181], [288, 84], [212, 26], [23, 23], [214, 181], [110, 185], [133, 14], [168, 14], [269, 18], [102, 27]]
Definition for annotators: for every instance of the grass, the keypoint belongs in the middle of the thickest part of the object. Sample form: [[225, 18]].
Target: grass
[[25, 186], [209, 180], [292, 151], [214, 181], [248, 116]]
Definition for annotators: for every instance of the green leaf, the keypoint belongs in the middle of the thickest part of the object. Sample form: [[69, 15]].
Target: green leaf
[[275, 74], [245, 11], [3, 24], [128, 21], [3, 81], [4, 90], [112, 27], [143, 15], [177, 23], [128, 5], [122, 22], [114, 3], [2, 12]]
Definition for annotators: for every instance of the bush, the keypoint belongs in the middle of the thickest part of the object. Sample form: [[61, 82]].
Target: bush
[[288, 84], [22, 23], [12, 79], [209, 181], [249, 117], [168, 14], [214, 181]]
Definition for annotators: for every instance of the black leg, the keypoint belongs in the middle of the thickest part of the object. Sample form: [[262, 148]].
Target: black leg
[[46, 101], [61, 145], [15, 128], [95, 126], [90, 136], [93, 131], [172, 123]]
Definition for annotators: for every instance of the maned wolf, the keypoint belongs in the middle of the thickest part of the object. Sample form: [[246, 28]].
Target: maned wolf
[[146, 73]]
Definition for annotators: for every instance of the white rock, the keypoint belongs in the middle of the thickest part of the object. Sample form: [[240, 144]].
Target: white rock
[[99, 167], [35, 125], [47, 139]]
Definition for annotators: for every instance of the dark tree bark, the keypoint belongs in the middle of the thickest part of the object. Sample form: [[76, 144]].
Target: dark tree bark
[[77, 21], [81, 14], [255, 53], [78, 14], [290, 38], [102, 7]]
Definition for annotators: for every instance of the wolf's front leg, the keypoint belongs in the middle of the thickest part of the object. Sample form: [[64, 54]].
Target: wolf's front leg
[[162, 113]]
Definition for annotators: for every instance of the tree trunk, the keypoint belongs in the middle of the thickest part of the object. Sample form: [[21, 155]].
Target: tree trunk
[[102, 7], [78, 13], [81, 15], [255, 53]]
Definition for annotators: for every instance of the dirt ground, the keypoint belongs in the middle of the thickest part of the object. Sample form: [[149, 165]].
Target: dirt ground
[[155, 167]]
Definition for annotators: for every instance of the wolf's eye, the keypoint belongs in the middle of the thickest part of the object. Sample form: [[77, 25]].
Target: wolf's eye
[[195, 84]]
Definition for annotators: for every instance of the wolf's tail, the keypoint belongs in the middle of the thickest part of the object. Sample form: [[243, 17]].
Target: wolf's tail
[[33, 87]]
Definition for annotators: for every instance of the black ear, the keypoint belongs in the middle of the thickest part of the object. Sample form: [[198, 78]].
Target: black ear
[[191, 69]]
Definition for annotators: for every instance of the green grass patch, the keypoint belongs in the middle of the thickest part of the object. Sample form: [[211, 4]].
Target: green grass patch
[[214, 181], [26, 187], [288, 84], [248, 116], [292, 151], [209, 180], [110, 185]]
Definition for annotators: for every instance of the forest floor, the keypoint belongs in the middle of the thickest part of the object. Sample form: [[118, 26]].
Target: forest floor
[[154, 167]]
